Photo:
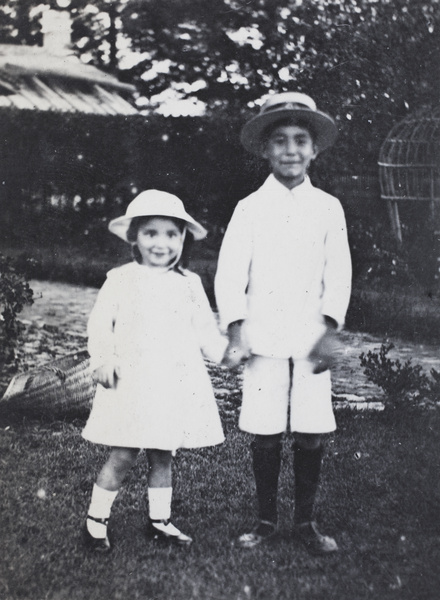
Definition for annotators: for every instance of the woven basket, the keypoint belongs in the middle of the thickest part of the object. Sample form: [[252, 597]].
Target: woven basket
[[62, 386]]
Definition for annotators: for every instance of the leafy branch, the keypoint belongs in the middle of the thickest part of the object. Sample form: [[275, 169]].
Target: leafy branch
[[400, 381]]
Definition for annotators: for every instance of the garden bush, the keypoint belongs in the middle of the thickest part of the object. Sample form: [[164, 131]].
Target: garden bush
[[14, 294], [401, 382]]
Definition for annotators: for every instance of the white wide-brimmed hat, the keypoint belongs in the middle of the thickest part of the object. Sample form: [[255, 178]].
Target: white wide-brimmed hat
[[154, 203], [287, 105]]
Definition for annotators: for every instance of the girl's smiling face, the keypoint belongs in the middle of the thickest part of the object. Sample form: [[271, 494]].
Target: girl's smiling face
[[159, 241], [289, 150]]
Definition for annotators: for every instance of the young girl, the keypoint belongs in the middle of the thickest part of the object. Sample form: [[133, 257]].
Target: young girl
[[147, 331]]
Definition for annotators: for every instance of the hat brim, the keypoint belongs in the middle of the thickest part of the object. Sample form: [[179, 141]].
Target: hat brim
[[322, 125], [120, 225]]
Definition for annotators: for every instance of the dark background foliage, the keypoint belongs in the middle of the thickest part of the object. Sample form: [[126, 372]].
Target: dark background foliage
[[65, 176]]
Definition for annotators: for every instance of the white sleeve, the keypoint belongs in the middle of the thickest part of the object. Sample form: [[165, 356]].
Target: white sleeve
[[100, 327], [212, 343], [233, 267], [337, 270]]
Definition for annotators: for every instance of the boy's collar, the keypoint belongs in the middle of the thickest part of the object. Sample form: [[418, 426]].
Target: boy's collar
[[272, 182]]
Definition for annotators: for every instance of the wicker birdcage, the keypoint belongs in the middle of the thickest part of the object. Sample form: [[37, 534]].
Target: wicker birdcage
[[54, 389], [409, 163]]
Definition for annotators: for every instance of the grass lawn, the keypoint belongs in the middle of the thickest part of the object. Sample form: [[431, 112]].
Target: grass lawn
[[380, 497]]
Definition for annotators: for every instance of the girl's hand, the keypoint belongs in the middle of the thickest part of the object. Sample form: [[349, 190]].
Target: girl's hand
[[107, 375], [234, 355], [324, 352], [237, 350]]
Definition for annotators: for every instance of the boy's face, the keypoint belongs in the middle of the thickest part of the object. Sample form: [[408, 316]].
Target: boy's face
[[289, 150], [159, 241]]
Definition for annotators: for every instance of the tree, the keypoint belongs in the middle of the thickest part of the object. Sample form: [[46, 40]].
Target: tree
[[20, 22], [367, 62], [95, 31]]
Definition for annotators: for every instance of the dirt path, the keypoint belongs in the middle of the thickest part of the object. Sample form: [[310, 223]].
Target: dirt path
[[64, 308]]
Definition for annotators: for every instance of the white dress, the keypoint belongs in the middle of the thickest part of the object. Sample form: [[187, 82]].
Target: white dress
[[155, 326]]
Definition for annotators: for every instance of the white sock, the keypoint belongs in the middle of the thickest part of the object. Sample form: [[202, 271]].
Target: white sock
[[159, 500], [100, 508]]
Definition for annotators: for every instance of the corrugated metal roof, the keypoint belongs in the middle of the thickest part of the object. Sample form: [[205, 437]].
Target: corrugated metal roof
[[31, 78]]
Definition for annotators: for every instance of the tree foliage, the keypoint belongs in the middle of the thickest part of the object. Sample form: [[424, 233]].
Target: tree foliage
[[315, 45], [94, 31], [20, 22], [368, 62]]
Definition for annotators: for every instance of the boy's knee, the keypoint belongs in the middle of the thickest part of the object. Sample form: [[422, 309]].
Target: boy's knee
[[308, 441], [159, 458], [267, 441]]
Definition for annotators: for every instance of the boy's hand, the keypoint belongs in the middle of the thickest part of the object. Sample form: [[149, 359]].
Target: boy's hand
[[107, 375], [324, 352], [237, 350], [234, 355]]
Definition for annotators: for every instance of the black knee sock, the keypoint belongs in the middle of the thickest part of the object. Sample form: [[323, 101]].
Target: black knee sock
[[307, 467], [266, 464]]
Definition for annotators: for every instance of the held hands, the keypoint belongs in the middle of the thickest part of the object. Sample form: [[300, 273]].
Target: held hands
[[107, 375], [234, 355], [323, 354], [237, 350]]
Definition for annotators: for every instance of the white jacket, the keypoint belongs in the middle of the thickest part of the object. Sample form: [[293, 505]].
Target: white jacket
[[284, 264]]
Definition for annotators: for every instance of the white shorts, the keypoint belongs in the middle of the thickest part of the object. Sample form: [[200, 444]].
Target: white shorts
[[270, 385]]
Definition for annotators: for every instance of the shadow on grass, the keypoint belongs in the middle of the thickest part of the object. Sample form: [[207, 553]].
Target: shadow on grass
[[379, 496]]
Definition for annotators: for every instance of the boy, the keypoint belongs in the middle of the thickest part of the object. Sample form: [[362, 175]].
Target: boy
[[283, 287]]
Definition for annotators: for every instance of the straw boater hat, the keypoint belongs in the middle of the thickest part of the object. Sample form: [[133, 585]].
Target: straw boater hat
[[154, 203], [287, 105]]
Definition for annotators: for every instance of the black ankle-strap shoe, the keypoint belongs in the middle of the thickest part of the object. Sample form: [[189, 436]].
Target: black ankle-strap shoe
[[162, 530], [99, 545]]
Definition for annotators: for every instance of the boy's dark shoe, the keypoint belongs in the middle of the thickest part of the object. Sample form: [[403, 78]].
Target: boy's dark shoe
[[162, 530], [316, 543], [98, 545], [264, 531]]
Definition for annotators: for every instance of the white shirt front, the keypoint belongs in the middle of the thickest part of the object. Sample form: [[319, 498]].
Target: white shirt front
[[284, 263]]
